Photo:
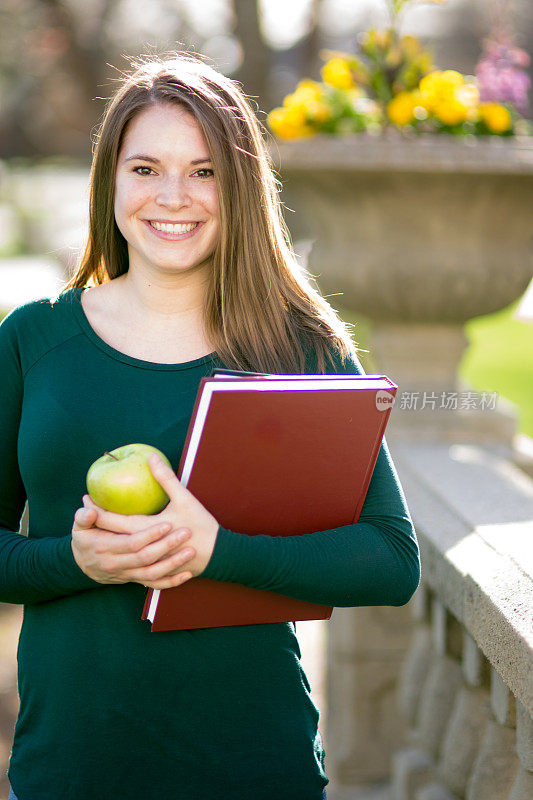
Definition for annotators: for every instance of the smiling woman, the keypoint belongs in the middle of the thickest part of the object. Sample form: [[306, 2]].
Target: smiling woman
[[191, 267], [184, 146]]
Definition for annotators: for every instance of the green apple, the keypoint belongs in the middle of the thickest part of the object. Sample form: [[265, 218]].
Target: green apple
[[121, 481]]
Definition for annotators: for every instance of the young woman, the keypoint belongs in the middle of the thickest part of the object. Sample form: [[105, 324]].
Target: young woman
[[188, 265]]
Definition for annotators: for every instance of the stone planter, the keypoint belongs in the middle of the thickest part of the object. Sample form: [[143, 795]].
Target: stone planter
[[419, 235]]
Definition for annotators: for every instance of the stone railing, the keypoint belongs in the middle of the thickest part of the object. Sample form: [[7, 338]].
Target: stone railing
[[450, 716]]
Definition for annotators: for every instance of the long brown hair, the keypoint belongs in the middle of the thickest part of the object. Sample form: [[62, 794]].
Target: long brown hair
[[262, 309]]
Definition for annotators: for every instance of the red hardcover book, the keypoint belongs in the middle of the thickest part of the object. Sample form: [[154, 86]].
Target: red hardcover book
[[283, 455]]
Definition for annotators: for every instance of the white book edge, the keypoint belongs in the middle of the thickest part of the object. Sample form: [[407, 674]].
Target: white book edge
[[220, 376]]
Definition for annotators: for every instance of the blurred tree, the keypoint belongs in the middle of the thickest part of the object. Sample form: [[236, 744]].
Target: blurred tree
[[256, 69], [56, 57], [55, 60], [52, 62]]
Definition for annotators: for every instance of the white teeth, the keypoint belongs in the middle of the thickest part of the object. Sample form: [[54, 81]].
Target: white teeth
[[167, 227]]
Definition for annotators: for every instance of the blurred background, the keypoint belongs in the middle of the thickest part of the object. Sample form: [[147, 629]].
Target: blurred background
[[58, 58], [58, 63]]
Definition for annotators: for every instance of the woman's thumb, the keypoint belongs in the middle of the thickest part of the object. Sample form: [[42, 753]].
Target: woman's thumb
[[85, 517]]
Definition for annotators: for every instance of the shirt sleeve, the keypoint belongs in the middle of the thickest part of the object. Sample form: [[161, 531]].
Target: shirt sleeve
[[375, 561], [31, 570]]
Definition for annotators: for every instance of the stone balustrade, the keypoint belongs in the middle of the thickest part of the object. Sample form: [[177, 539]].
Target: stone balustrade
[[468, 736], [449, 716]]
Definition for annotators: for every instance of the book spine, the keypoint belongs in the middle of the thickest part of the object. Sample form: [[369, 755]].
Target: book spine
[[147, 602]]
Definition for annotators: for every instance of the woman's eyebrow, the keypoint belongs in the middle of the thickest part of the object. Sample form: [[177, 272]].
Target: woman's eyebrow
[[152, 160]]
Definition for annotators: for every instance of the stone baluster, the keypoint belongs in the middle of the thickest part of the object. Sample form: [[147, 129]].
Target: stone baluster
[[415, 766], [417, 660], [340, 719], [495, 768], [523, 785], [462, 739], [366, 648], [412, 766]]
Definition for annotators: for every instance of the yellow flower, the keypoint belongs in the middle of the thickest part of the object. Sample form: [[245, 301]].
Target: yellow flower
[[288, 123], [468, 95], [400, 109], [428, 82], [290, 100], [446, 95], [306, 92], [276, 120], [450, 111], [411, 45], [429, 89], [452, 77], [441, 82], [306, 83], [495, 116], [319, 111], [294, 111], [337, 73]]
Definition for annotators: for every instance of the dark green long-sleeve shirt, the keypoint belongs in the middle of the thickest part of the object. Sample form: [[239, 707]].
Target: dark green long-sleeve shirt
[[109, 710]]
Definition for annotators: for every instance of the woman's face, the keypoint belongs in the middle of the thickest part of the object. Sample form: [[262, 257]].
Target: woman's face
[[166, 202]]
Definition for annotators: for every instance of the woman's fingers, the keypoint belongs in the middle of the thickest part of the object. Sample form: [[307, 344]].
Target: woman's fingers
[[144, 559], [177, 579], [163, 549], [167, 569], [120, 544], [119, 523], [85, 518]]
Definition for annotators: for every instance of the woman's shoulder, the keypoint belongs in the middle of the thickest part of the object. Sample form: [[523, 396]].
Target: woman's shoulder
[[339, 358], [38, 325], [32, 311]]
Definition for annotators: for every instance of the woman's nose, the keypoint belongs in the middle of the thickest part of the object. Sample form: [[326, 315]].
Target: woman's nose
[[173, 193]]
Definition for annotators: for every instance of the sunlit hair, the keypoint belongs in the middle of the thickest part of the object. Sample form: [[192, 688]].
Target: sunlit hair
[[263, 311]]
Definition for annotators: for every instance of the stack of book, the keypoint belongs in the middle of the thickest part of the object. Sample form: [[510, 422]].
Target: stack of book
[[283, 455]]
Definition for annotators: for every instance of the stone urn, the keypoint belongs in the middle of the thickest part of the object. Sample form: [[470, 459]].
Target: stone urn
[[419, 235]]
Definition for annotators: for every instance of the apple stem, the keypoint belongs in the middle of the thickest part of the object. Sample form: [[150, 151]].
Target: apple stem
[[112, 456]]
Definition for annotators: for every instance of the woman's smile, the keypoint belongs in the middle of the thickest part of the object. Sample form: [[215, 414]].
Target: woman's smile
[[173, 231]]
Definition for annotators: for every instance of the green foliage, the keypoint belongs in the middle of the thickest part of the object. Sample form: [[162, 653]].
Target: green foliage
[[500, 359]]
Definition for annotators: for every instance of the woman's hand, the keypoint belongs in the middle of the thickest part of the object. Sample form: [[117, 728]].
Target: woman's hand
[[150, 554], [154, 557]]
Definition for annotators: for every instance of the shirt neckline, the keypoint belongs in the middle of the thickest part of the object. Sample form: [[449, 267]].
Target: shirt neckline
[[89, 331]]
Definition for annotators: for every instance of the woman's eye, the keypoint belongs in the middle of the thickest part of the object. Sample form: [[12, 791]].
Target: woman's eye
[[142, 170], [209, 172]]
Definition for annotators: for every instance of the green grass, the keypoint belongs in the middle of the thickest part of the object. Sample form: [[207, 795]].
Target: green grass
[[499, 357]]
